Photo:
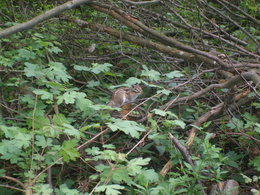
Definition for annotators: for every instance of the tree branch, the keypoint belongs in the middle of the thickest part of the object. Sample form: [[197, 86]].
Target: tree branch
[[48, 14], [142, 2], [216, 110], [250, 75], [143, 29]]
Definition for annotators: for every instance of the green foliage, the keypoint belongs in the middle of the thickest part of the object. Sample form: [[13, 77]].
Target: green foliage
[[128, 127], [68, 150], [54, 113], [110, 189]]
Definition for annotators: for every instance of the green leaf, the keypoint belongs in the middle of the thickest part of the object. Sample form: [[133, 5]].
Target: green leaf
[[42, 189], [174, 74], [179, 123], [68, 97], [70, 130], [39, 122], [54, 50], [134, 166], [10, 151], [6, 62], [68, 150], [150, 175], [159, 112], [151, 74], [93, 151], [235, 124], [147, 176], [45, 95], [41, 141], [2, 172], [121, 175], [92, 84], [128, 127], [256, 163], [86, 106], [80, 68], [132, 80], [109, 146], [59, 119], [98, 68], [163, 91], [23, 140], [64, 190], [57, 72], [110, 189], [33, 70], [25, 54]]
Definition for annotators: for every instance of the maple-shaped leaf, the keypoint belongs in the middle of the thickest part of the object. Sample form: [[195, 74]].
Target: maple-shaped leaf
[[174, 74], [110, 189], [135, 165], [151, 74], [45, 95], [98, 68], [68, 150], [57, 72], [128, 127]]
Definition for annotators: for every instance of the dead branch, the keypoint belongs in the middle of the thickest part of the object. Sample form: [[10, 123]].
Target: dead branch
[[213, 112], [243, 12], [135, 24], [143, 29], [45, 16], [142, 2], [250, 75], [207, 33], [140, 41], [232, 21], [182, 149], [185, 154], [150, 44]]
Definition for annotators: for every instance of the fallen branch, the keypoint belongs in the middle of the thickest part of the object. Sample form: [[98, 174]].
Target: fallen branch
[[182, 149], [142, 2], [48, 14], [250, 75], [150, 44], [213, 112], [186, 156]]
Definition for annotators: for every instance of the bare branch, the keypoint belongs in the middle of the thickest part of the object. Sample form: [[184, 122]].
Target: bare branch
[[143, 29], [213, 112], [232, 21], [12, 187], [14, 180], [31, 23], [243, 12], [250, 75], [142, 2], [182, 149], [186, 155]]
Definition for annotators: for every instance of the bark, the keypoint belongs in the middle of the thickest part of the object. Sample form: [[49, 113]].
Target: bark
[[38, 19]]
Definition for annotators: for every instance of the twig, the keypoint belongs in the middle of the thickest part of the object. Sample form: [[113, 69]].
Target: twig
[[12, 187], [250, 75], [14, 180], [213, 112], [141, 140], [31, 23], [142, 2], [182, 149], [186, 156]]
